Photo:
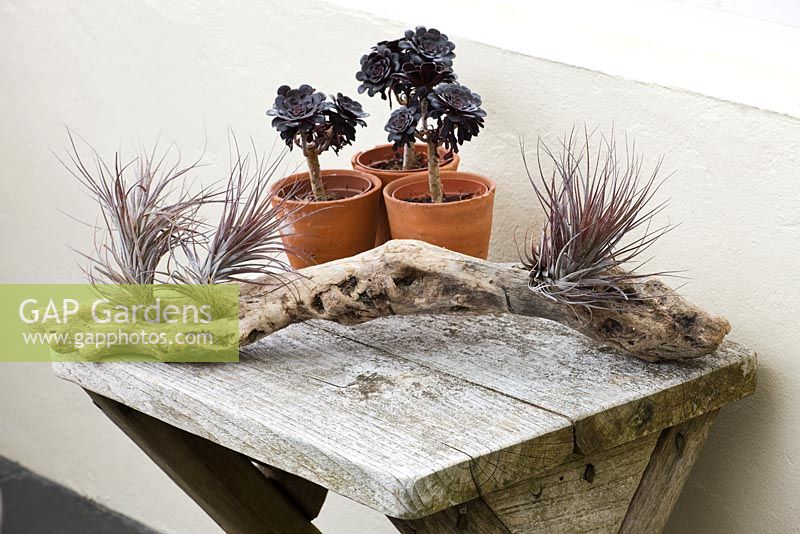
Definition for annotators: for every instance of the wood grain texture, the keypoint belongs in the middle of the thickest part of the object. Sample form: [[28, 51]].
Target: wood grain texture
[[589, 494], [391, 434], [585, 494], [223, 482], [673, 457], [610, 398], [412, 415], [406, 277], [472, 517]]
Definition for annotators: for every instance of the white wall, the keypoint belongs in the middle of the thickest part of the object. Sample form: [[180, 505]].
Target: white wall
[[122, 74], [779, 11]]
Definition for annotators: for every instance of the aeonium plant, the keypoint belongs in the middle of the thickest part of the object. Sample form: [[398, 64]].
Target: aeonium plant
[[434, 108], [315, 122]]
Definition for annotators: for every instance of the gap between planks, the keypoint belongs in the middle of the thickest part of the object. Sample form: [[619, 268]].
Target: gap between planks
[[471, 459], [386, 352]]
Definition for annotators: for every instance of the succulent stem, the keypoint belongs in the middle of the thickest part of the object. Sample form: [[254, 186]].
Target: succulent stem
[[312, 158], [434, 181], [409, 157]]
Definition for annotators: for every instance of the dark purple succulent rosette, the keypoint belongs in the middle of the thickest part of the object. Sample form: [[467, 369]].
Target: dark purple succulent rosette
[[384, 68], [402, 126], [304, 114], [418, 69], [421, 78], [459, 114], [297, 110], [349, 109], [456, 99], [342, 121], [393, 45], [377, 68], [424, 45]]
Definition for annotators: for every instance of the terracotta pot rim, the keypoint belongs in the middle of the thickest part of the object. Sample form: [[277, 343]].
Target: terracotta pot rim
[[356, 160], [388, 190], [375, 185]]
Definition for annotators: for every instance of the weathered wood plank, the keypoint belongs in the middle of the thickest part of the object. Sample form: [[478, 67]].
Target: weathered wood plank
[[673, 457], [386, 432], [611, 398], [589, 494], [585, 494], [412, 415], [224, 483], [472, 517]]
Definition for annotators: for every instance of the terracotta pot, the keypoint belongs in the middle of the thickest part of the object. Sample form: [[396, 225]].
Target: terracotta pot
[[463, 226], [324, 231], [362, 161]]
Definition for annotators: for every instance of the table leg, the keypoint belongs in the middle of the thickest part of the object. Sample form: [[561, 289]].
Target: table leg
[[224, 483], [673, 457], [629, 489], [307, 496]]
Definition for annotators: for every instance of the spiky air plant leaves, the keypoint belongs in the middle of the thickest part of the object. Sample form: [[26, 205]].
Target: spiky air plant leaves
[[146, 211], [246, 240], [149, 216], [595, 204]]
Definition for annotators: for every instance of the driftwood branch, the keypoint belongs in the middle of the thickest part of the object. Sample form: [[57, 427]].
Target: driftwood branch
[[411, 277]]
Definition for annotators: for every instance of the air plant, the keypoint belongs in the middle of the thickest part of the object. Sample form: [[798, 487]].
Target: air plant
[[246, 240], [416, 71], [146, 211], [315, 122], [148, 216], [593, 204]]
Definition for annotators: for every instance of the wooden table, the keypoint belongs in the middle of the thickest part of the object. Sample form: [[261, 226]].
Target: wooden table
[[445, 424]]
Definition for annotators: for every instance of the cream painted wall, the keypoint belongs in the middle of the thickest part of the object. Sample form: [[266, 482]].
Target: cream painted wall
[[119, 74]]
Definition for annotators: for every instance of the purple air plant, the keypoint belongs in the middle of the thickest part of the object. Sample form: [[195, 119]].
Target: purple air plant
[[246, 239], [598, 218], [146, 211], [151, 228]]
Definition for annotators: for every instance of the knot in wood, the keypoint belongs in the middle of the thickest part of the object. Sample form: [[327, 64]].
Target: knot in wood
[[588, 473]]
